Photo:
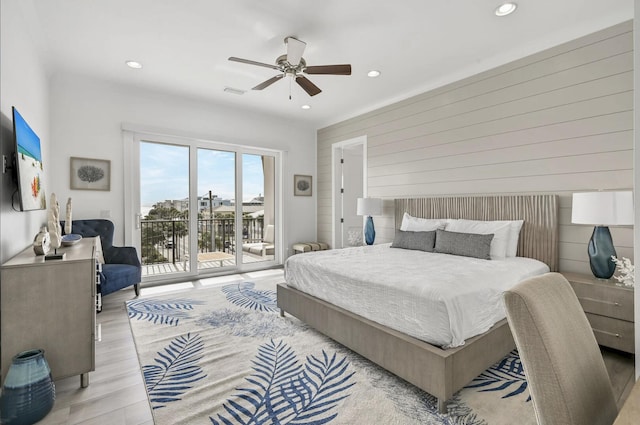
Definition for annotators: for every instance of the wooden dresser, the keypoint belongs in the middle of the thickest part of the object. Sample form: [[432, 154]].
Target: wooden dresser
[[609, 309], [51, 305]]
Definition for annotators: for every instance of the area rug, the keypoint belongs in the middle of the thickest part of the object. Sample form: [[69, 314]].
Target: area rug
[[223, 355]]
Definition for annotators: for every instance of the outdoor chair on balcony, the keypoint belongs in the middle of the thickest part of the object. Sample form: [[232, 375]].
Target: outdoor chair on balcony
[[121, 266], [264, 248]]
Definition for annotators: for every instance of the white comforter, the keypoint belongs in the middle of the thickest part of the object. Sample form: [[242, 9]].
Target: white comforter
[[438, 298]]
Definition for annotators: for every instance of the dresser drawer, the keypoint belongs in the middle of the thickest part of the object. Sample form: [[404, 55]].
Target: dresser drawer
[[605, 300], [613, 333]]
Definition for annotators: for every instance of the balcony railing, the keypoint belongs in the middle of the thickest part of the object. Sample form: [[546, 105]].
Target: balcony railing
[[167, 240]]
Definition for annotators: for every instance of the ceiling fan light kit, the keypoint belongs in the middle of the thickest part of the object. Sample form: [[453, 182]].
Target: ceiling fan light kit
[[293, 65]]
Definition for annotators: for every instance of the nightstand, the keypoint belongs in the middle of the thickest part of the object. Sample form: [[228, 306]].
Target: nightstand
[[609, 309]]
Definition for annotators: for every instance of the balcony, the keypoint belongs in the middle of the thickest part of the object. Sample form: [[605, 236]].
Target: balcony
[[165, 244]]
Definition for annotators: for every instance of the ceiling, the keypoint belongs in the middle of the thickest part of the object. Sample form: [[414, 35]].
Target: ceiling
[[417, 45]]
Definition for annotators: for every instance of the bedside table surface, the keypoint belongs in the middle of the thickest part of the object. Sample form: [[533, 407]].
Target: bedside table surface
[[592, 280]]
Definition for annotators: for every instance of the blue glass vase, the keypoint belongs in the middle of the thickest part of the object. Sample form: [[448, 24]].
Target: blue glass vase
[[28, 393], [600, 251], [369, 231]]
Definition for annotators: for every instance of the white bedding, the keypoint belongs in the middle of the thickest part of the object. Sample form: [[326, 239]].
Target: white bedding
[[438, 298]]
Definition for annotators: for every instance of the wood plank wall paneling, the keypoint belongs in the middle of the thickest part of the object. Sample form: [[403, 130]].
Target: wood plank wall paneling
[[558, 121]]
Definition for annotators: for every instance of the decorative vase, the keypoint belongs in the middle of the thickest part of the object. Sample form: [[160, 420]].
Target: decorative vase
[[600, 250], [28, 393], [41, 242], [369, 231]]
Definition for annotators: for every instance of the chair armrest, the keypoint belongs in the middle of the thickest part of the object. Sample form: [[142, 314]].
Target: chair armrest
[[122, 255]]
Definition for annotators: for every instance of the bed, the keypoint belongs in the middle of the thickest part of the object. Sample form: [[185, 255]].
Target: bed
[[438, 371]]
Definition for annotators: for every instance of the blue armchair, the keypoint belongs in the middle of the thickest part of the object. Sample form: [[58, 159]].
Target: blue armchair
[[121, 266]]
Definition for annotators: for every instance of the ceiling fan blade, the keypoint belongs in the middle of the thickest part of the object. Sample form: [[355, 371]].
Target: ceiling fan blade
[[329, 69], [267, 83], [250, 62], [295, 49], [307, 85]]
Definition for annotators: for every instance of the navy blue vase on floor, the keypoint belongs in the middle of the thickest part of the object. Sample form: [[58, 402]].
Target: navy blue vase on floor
[[600, 251], [28, 393]]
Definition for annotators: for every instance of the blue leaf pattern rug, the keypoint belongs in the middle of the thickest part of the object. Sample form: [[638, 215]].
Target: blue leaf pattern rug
[[223, 355]]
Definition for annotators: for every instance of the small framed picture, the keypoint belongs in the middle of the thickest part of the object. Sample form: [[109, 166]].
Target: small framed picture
[[301, 185], [90, 174]]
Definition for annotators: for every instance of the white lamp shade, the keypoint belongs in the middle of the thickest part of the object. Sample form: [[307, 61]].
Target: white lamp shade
[[369, 206], [603, 208]]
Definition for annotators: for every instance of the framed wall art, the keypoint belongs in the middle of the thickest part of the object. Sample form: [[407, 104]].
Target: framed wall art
[[90, 174], [302, 185]]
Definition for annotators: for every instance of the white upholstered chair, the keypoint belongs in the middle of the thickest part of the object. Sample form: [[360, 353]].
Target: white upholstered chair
[[567, 378]]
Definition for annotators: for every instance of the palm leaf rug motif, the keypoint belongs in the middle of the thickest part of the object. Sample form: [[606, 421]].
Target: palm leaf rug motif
[[255, 318], [167, 312], [175, 371], [244, 294], [282, 391], [506, 375]]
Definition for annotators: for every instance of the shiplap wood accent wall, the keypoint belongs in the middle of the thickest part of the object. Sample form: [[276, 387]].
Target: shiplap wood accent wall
[[559, 121]]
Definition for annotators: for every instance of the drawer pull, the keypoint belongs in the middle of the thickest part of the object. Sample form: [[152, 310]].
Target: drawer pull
[[613, 303], [607, 333]]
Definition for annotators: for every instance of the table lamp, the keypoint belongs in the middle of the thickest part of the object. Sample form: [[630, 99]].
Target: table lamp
[[369, 207], [602, 209]]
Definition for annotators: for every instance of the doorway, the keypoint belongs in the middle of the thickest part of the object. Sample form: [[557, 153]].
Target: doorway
[[349, 178]]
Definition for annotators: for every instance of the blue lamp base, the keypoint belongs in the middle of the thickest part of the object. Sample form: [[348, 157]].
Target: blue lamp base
[[600, 251], [369, 231]]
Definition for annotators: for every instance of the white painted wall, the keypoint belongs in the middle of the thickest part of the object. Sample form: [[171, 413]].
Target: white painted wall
[[23, 84], [86, 119]]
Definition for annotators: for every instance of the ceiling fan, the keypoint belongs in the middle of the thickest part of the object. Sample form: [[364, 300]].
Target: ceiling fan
[[293, 65]]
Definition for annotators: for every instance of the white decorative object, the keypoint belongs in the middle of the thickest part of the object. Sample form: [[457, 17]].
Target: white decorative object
[[354, 237], [55, 231], [67, 222], [41, 243], [626, 269]]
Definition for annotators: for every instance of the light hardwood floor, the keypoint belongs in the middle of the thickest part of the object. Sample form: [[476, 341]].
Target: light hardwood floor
[[116, 393]]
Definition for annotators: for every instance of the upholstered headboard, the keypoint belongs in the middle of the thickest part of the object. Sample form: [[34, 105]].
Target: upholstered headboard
[[539, 234]]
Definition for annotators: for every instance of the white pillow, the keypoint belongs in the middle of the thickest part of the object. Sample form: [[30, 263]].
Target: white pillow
[[514, 235], [500, 229], [415, 224]]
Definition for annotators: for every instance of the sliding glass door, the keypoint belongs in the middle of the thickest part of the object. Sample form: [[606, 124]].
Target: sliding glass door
[[258, 211], [202, 208], [164, 208], [216, 209]]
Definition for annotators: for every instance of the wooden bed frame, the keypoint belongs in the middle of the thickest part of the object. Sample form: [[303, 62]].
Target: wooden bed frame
[[437, 371]]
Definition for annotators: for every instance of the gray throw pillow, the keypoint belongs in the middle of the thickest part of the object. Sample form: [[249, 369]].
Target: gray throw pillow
[[465, 244], [422, 241]]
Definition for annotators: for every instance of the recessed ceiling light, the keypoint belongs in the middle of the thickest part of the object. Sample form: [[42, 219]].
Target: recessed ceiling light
[[373, 73], [234, 91], [506, 9], [134, 64], [306, 107]]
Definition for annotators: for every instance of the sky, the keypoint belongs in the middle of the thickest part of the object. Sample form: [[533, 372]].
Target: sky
[[164, 173]]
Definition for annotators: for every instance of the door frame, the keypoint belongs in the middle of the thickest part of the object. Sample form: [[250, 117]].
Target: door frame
[[335, 157], [132, 136]]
